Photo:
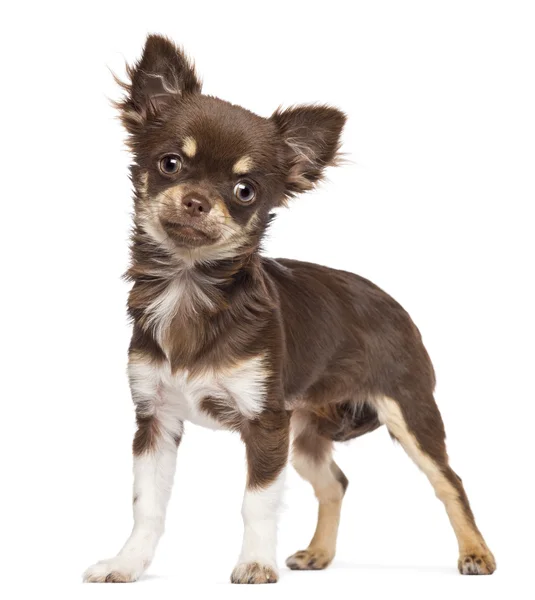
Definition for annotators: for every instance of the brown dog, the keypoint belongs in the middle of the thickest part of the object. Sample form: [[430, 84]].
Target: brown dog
[[227, 338]]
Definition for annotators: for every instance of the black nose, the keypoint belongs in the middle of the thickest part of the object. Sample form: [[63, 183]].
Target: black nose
[[196, 205]]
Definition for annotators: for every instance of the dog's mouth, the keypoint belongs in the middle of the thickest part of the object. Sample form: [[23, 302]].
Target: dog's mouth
[[187, 234]]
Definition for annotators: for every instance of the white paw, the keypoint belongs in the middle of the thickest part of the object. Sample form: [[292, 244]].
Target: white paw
[[121, 569], [254, 572]]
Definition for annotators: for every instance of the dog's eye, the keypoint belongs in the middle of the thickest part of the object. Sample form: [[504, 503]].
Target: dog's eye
[[170, 164], [245, 192]]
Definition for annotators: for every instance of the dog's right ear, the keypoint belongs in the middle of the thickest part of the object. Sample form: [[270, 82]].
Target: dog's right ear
[[159, 78]]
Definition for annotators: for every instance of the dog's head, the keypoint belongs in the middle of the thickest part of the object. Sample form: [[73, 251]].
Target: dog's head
[[207, 173]]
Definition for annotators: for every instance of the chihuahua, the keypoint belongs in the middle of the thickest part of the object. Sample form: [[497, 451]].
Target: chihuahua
[[227, 338]]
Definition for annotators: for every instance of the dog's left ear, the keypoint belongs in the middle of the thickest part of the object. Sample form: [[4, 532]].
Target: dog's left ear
[[159, 78], [312, 139]]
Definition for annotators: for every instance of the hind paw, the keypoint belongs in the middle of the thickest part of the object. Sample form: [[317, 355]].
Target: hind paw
[[477, 562], [311, 559]]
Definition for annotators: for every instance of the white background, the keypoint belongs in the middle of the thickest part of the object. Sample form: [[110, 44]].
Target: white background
[[434, 206]]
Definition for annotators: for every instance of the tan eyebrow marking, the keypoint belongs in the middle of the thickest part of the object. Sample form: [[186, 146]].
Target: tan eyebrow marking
[[243, 165], [189, 147]]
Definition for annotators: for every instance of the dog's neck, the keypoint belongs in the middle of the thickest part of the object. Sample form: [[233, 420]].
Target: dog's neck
[[152, 263], [183, 304]]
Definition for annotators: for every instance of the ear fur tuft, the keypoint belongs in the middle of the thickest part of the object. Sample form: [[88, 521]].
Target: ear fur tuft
[[159, 78], [312, 138]]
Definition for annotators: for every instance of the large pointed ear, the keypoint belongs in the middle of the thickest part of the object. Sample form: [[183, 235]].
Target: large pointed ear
[[159, 78], [312, 139]]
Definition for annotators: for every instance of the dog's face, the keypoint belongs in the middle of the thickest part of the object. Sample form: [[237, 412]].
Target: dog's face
[[207, 173]]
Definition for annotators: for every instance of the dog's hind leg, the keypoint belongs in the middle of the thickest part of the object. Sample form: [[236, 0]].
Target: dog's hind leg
[[418, 427], [312, 459]]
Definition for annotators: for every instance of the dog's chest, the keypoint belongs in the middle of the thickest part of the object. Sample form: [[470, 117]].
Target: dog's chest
[[237, 391], [188, 293]]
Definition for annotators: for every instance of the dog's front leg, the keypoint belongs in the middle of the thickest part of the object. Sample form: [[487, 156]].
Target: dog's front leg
[[154, 468], [155, 447], [266, 440]]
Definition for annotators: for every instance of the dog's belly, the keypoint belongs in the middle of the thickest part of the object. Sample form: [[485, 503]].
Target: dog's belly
[[172, 397]]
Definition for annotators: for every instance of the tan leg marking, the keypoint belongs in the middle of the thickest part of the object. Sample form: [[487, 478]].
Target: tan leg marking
[[329, 485], [474, 556]]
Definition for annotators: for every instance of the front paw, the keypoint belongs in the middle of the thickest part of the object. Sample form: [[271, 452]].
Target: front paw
[[254, 573], [115, 570]]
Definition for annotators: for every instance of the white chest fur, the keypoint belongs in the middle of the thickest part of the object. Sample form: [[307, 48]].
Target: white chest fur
[[175, 397]]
